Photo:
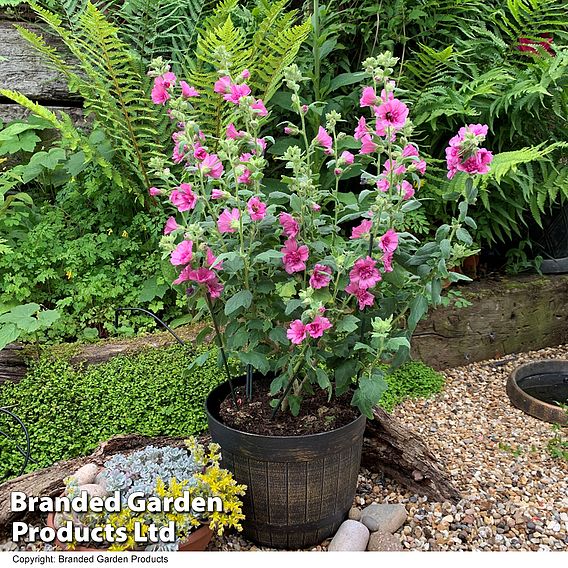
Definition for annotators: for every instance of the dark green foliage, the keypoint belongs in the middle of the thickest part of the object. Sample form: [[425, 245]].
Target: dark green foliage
[[69, 412], [412, 380]]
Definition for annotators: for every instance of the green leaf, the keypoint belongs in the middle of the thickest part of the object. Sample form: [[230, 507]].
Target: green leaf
[[369, 392], [348, 324], [151, 289], [257, 360], [278, 334], [47, 318], [345, 79], [8, 333], [322, 378], [242, 299], [445, 248], [292, 305], [418, 308], [268, 256], [345, 372], [464, 236], [294, 403]]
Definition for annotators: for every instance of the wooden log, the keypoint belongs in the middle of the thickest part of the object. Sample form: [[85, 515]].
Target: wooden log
[[10, 112], [509, 315], [49, 481], [391, 448], [24, 70]]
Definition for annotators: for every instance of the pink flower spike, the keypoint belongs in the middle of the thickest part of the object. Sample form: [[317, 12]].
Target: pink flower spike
[[187, 91], [389, 241], [363, 230], [182, 254], [170, 226], [324, 140], [259, 107], [321, 276], [364, 273], [364, 297], [296, 332], [256, 209], [361, 129], [153, 191], [318, 326], [347, 158], [368, 97], [223, 85], [295, 256], [367, 145], [289, 225], [211, 166], [228, 221], [183, 198]]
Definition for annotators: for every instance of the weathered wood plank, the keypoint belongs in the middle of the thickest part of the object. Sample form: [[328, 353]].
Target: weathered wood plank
[[24, 70], [10, 112], [507, 316]]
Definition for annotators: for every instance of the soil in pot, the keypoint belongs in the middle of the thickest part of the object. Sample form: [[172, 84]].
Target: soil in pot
[[317, 414]]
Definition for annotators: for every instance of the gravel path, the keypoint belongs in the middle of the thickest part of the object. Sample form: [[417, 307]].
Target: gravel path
[[515, 493]]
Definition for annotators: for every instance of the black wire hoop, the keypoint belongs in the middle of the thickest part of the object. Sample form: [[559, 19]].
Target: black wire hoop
[[26, 454]]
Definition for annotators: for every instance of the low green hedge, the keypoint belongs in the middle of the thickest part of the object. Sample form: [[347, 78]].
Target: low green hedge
[[70, 411]]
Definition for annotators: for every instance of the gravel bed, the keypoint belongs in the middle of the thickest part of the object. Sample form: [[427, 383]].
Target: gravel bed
[[515, 493]]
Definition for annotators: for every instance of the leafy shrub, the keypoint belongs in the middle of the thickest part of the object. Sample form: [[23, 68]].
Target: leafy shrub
[[69, 412], [413, 380]]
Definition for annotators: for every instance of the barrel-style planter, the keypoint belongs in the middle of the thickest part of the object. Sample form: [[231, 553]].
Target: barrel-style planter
[[300, 488]]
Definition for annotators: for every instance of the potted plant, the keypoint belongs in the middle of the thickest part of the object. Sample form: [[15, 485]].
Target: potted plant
[[307, 307], [155, 473]]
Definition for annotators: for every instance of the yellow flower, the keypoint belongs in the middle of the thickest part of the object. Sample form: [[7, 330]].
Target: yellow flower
[[124, 234], [69, 274]]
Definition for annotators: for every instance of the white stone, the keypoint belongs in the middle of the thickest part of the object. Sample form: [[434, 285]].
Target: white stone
[[352, 536], [86, 474], [385, 517]]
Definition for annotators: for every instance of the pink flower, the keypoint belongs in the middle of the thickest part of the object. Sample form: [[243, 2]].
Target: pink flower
[[187, 91], [214, 288], [233, 133], [160, 89], [205, 277], [365, 273], [236, 93], [421, 166], [361, 129], [201, 275], [223, 85], [347, 158], [295, 256], [199, 152], [383, 184], [477, 160], [409, 151], [183, 198], [368, 97], [246, 157], [367, 145], [211, 260], [387, 261], [289, 225], [316, 207], [228, 221], [318, 326], [245, 178], [182, 254], [153, 191], [245, 74], [364, 297], [256, 209], [217, 194], [211, 166], [170, 226], [389, 241], [529, 45], [296, 332], [362, 231], [159, 93], [324, 140], [261, 143], [406, 189], [393, 114], [183, 275], [321, 276], [259, 107]]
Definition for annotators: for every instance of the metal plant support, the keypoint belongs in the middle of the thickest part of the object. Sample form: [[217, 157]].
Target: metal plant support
[[181, 341], [26, 453]]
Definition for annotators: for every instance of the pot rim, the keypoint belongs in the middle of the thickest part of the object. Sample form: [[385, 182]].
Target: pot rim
[[212, 417]]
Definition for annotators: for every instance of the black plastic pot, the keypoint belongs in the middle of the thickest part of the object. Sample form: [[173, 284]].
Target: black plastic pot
[[300, 488]]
